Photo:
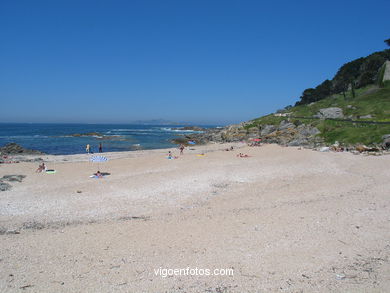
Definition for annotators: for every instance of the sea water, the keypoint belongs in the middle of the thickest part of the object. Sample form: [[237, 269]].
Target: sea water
[[59, 139]]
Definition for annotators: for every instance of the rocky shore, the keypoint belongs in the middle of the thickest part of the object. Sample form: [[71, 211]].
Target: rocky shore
[[286, 133], [15, 149]]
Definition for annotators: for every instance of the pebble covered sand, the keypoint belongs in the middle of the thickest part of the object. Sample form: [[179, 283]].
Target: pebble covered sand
[[283, 220]]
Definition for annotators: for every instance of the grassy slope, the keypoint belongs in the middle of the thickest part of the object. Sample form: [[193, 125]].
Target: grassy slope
[[368, 101]]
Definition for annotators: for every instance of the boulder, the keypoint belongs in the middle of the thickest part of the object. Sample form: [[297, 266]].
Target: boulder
[[307, 130], [285, 125], [267, 129], [386, 141], [332, 112], [4, 186]]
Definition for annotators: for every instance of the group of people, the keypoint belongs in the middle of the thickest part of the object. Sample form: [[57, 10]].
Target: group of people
[[88, 149], [171, 156]]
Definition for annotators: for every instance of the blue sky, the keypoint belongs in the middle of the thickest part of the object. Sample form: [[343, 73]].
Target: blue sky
[[203, 61]]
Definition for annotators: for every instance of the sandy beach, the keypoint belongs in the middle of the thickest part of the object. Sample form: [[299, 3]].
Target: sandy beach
[[283, 220]]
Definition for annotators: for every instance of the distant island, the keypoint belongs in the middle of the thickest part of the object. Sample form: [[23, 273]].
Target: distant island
[[159, 122]]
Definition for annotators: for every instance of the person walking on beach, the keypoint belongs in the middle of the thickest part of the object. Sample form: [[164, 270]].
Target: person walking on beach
[[100, 148], [88, 148], [181, 148]]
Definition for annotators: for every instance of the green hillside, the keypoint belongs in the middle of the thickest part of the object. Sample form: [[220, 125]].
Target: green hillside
[[369, 100]]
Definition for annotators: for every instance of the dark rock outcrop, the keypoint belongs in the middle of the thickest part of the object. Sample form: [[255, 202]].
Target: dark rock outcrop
[[15, 149]]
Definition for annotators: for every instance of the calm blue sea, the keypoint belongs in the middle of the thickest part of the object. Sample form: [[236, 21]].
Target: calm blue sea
[[57, 138]]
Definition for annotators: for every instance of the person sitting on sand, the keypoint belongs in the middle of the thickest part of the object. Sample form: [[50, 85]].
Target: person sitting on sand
[[99, 175], [41, 168], [170, 156]]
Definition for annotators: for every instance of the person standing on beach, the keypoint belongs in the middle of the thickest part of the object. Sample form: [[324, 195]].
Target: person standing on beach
[[100, 148], [181, 148], [88, 148]]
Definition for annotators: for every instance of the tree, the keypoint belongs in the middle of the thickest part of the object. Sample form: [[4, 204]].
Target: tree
[[387, 42], [353, 88]]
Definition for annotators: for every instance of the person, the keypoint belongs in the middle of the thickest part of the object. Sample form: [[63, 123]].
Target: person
[[181, 149], [100, 148], [99, 175], [88, 148], [41, 168], [170, 156]]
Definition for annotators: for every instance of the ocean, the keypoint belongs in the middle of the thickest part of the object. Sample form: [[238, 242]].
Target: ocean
[[59, 139]]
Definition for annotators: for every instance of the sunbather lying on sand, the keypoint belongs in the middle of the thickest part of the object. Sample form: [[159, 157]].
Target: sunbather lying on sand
[[98, 175], [241, 155], [229, 149]]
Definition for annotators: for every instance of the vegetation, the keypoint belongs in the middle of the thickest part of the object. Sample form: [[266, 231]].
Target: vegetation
[[350, 133], [358, 89], [351, 76], [369, 100]]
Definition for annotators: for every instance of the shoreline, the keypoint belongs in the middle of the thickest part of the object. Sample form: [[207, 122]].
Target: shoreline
[[82, 157]]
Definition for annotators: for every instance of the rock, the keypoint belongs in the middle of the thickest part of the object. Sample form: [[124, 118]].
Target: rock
[[361, 148], [4, 186], [13, 149], [365, 116], [267, 129], [332, 112], [253, 132], [11, 178], [307, 130], [285, 125], [298, 142], [324, 149], [386, 141], [386, 75]]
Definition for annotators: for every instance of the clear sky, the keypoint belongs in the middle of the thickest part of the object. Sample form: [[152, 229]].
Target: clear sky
[[204, 61]]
